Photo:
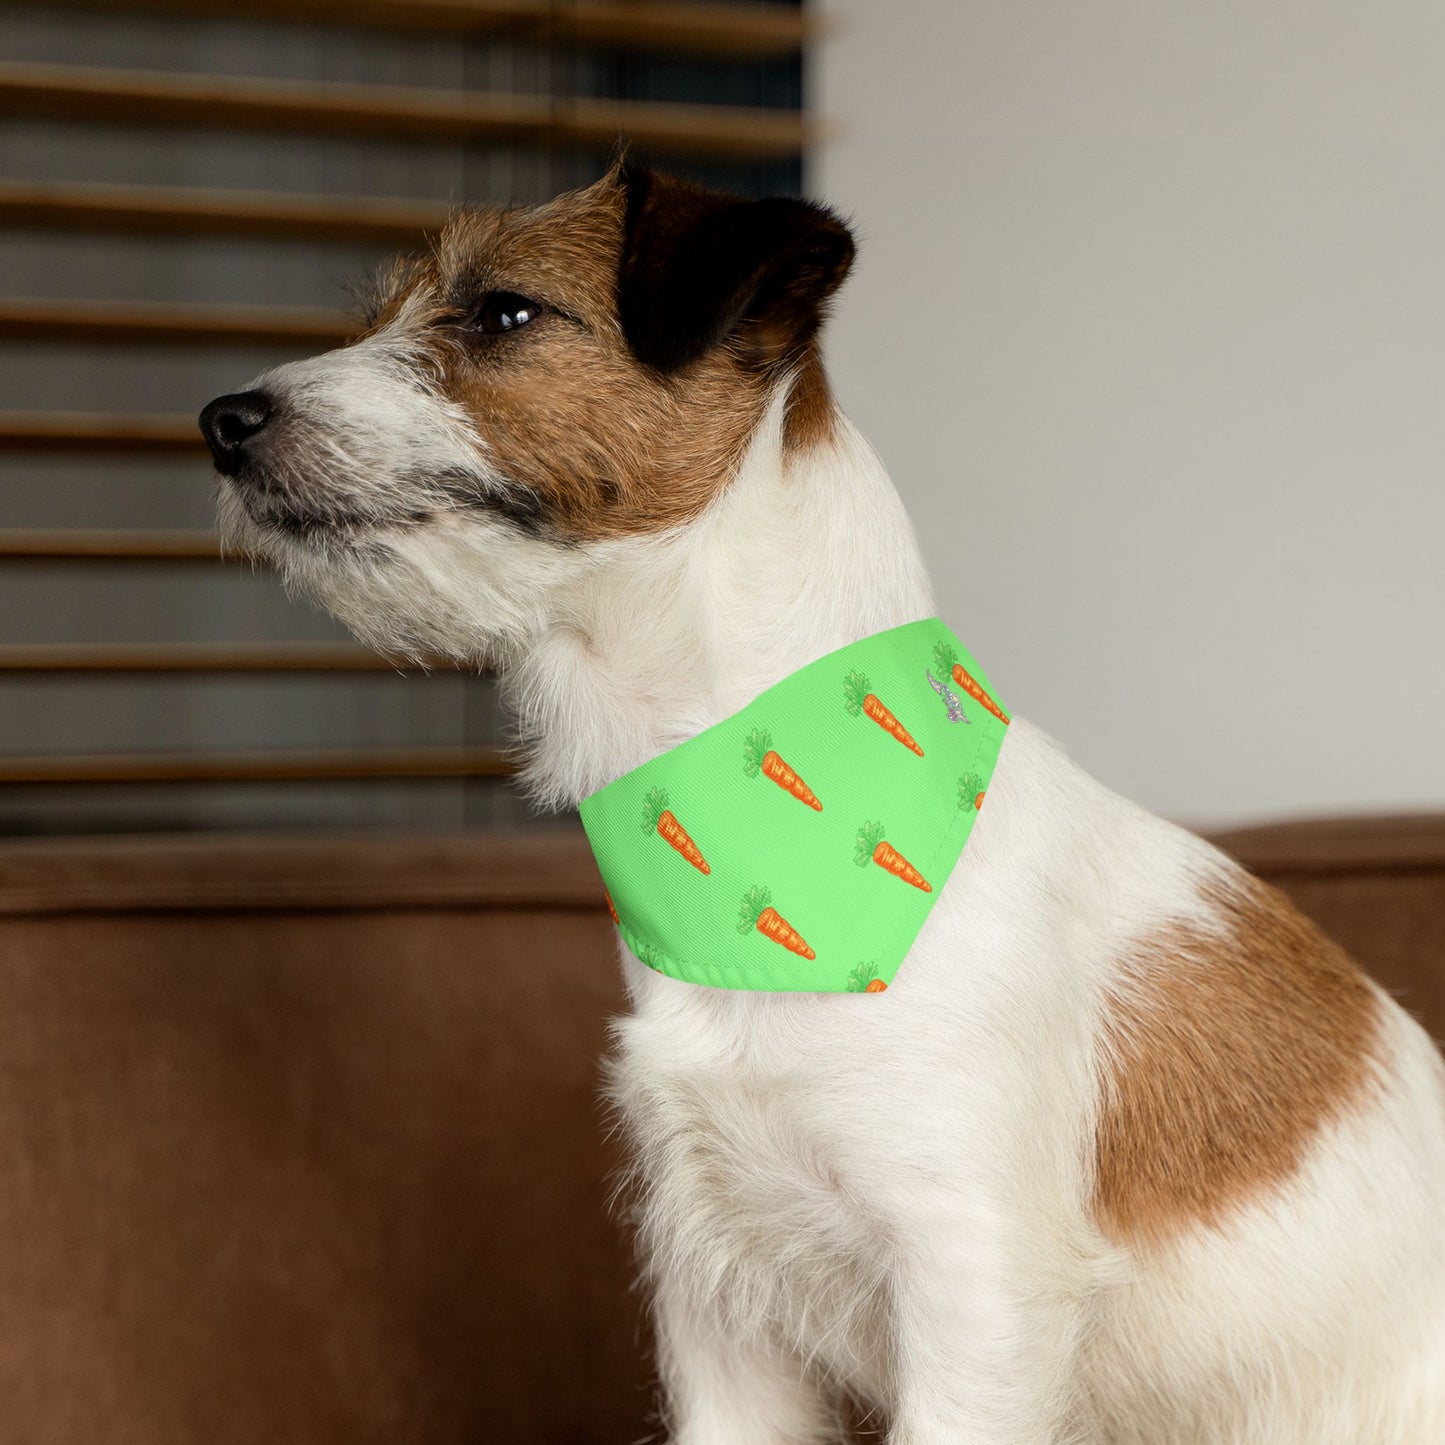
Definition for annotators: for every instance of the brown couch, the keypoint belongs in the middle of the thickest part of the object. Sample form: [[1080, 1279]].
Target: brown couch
[[302, 1141]]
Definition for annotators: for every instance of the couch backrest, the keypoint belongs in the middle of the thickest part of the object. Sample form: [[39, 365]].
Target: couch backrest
[[302, 1142]]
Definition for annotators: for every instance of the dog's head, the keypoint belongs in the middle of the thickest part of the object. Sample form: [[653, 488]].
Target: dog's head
[[544, 383]]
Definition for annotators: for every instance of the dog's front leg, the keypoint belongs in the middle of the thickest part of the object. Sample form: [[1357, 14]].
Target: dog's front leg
[[725, 1387], [985, 1341]]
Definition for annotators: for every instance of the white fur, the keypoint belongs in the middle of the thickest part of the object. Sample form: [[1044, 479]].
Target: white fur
[[889, 1195]]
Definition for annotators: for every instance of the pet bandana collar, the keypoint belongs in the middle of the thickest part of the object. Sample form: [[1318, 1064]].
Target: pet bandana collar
[[798, 845]]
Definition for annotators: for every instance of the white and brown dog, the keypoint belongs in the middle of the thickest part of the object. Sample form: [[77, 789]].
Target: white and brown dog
[[1129, 1153]]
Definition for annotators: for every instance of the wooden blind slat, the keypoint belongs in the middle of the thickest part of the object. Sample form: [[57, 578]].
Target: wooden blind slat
[[218, 102], [755, 32], [172, 211], [271, 766], [717, 30], [171, 323], [78, 431], [189, 657], [82, 544]]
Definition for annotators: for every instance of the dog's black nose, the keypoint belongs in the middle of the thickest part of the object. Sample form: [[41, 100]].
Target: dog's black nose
[[229, 422]]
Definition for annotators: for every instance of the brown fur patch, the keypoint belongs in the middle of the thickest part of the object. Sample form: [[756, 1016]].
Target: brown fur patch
[[812, 416], [606, 445], [1226, 1054]]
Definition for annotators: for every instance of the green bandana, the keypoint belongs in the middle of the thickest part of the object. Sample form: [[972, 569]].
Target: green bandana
[[799, 845]]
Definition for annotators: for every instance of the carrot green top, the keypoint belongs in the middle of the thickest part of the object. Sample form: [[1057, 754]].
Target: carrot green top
[[751, 871]]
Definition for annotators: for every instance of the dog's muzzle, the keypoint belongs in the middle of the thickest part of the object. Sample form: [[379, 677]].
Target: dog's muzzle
[[232, 422]]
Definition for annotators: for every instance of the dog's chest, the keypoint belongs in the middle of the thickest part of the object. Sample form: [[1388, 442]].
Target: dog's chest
[[751, 1180]]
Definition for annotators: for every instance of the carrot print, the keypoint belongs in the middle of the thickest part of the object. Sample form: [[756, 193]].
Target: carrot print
[[759, 757], [945, 659], [658, 817], [612, 908], [857, 699], [758, 912], [970, 792], [864, 979], [871, 848]]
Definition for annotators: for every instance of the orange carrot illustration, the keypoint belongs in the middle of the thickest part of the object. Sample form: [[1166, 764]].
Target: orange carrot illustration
[[612, 908], [970, 792], [759, 757], [857, 699], [864, 979], [758, 912], [658, 817], [945, 659], [875, 985], [871, 848]]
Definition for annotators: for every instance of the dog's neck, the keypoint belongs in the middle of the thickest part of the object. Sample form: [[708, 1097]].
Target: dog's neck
[[802, 554]]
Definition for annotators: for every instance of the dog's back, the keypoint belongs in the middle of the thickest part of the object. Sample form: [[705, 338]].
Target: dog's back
[[1121, 1065]]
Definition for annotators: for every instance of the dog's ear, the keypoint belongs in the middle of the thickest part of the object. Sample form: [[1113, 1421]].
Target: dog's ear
[[699, 266]]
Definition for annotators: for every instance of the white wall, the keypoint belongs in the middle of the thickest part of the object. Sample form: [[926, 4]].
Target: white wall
[[1149, 324]]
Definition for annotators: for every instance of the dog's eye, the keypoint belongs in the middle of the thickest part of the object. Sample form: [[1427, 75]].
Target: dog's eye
[[504, 311]]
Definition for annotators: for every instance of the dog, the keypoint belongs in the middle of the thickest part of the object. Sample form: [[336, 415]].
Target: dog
[[1129, 1153]]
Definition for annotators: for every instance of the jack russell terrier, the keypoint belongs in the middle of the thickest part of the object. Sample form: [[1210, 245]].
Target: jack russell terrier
[[1090, 1139]]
